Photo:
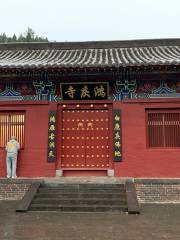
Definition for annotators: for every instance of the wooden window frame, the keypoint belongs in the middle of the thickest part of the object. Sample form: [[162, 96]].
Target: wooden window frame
[[163, 111], [16, 113]]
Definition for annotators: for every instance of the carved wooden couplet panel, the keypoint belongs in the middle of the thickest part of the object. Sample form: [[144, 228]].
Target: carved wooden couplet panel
[[117, 136], [52, 137]]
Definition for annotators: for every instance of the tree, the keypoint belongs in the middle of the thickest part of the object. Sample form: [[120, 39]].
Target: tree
[[20, 38], [4, 38], [28, 36], [14, 38]]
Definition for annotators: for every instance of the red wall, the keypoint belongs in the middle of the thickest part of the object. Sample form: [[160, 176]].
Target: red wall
[[138, 160], [32, 160]]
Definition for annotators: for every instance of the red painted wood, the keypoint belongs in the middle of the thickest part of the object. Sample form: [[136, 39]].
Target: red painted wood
[[163, 128], [85, 138]]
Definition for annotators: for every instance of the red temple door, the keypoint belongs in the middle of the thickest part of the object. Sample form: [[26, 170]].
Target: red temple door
[[85, 140]]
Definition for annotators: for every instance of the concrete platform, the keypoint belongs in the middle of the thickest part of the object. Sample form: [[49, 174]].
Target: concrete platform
[[69, 180]]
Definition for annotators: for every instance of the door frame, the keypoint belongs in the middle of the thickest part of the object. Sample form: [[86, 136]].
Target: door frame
[[83, 105]]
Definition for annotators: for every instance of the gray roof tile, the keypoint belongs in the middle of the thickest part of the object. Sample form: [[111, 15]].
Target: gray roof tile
[[90, 54]]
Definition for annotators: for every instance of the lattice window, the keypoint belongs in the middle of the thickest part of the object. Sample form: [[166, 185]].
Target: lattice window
[[163, 128], [11, 124]]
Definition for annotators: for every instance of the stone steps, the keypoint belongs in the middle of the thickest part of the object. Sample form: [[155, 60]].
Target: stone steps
[[85, 197], [85, 190], [82, 185], [79, 195], [78, 208], [76, 201]]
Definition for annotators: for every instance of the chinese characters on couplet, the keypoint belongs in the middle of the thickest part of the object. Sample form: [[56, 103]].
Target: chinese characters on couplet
[[117, 136], [84, 91], [52, 136]]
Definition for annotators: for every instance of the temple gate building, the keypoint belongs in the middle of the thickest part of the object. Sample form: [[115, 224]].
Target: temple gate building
[[92, 108]]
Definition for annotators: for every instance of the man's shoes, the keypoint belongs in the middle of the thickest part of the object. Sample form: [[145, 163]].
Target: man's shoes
[[14, 176], [8, 176]]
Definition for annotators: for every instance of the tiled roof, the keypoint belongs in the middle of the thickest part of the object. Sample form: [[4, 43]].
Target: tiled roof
[[90, 54]]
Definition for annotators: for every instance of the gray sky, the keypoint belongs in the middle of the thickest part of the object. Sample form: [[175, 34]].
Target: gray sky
[[86, 20]]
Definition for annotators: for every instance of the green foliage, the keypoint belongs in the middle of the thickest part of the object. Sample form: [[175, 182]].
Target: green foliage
[[28, 36]]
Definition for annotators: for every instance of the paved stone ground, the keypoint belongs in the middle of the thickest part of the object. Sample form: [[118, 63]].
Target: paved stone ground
[[154, 223]]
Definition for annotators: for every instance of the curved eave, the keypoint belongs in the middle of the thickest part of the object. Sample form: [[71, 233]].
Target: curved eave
[[90, 58], [89, 68]]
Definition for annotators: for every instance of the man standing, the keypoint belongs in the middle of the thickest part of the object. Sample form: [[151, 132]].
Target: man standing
[[12, 148]]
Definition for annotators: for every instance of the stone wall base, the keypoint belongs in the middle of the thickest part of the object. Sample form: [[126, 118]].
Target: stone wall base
[[14, 189], [158, 190], [148, 190]]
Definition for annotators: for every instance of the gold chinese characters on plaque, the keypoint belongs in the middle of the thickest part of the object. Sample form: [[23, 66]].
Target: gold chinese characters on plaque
[[85, 91], [117, 136], [52, 136]]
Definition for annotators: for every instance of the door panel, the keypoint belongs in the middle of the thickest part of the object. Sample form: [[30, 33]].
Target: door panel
[[97, 139], [85, 140], [73, 140]]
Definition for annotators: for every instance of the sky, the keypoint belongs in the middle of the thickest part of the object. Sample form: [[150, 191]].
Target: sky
[[92, 20]]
